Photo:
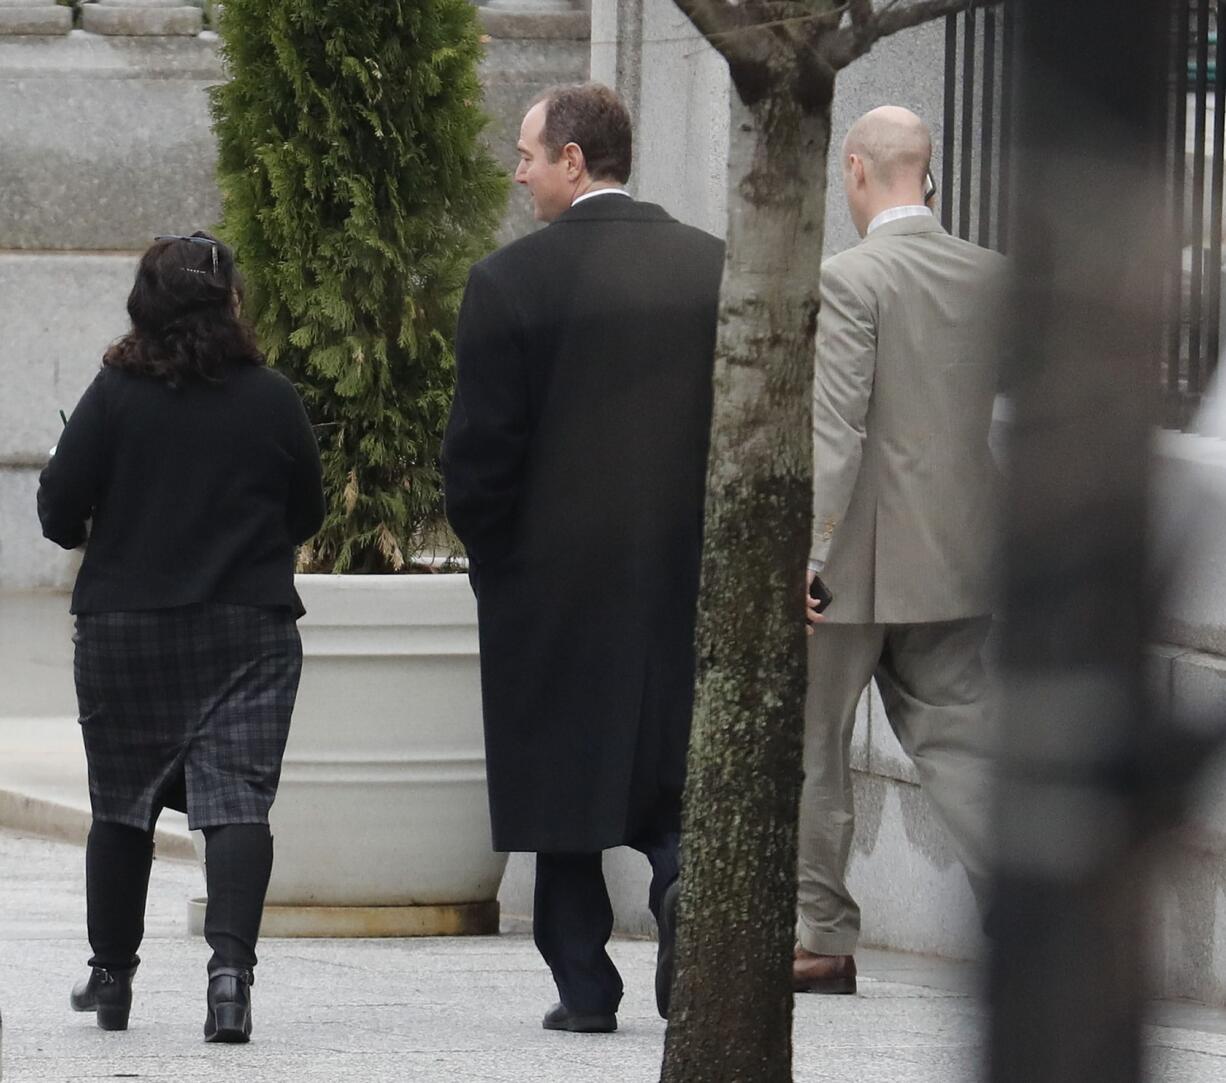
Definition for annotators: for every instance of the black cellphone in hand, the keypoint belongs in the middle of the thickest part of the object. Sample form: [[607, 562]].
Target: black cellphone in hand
[[820, 593]]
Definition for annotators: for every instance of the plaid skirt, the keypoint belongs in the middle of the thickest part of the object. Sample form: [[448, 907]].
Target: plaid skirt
[[186, 708]]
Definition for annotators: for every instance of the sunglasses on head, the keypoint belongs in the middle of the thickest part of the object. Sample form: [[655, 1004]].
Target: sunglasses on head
[[191, 240]]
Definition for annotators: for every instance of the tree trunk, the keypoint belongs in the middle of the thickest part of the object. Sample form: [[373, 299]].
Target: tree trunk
[[738, 898]]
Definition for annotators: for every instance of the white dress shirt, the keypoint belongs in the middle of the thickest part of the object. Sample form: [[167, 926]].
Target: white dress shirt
[[601, 192], [893, 214]]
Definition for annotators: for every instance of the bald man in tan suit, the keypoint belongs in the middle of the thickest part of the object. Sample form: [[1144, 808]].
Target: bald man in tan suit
[[904, 494]]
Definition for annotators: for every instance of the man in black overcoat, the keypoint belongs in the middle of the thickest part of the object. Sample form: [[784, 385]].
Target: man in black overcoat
[[575, 466]]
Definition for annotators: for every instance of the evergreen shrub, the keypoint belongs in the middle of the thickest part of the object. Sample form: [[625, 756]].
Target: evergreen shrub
[[357, 193]]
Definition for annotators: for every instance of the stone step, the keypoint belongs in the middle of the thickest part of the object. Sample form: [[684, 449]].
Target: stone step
[[136, 20], [32, 18]]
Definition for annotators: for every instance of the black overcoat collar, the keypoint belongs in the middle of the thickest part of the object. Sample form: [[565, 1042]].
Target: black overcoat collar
[[613, 209]]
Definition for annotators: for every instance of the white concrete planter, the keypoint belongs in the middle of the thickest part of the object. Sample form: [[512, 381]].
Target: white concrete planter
[[381, 821]]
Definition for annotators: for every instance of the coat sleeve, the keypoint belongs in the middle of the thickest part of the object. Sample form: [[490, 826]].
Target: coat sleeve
[[305, 508], [846, 365], [70, 485], [487, 435]]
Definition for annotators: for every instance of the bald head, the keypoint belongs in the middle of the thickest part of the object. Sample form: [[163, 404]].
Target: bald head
[[895, 144], [886, 155]]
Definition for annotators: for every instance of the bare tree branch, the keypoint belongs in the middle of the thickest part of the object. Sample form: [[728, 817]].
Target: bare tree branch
[[728, 27], [895, 17], [861, 12], [862, 24], [761, 47], [839, 48]]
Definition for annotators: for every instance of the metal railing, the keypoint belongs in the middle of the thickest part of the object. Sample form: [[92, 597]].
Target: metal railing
[[977, 181], [975, 166], [1195, 153]]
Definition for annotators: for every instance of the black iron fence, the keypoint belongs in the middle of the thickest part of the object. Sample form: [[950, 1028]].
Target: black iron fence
[[977, 179], [1195, 150], [975, 166]]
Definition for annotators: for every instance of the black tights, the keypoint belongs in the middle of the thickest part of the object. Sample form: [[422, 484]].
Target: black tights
[[238, 862]]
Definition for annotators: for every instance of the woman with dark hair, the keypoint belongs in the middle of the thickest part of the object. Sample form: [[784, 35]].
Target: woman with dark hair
[[193, 472]]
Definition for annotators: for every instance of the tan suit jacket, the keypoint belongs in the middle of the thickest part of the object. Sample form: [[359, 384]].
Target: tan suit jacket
[[905, 488]]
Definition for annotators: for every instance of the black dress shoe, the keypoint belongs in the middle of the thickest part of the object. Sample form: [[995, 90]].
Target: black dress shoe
[[106, 992], [668, 944], [559, 1017], [229, 1018]]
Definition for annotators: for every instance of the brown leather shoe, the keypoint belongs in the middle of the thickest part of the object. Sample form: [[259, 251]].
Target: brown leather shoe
[[813, 973]]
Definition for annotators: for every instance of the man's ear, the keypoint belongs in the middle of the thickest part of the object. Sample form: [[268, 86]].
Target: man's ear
[[575, 162], [857, 169]]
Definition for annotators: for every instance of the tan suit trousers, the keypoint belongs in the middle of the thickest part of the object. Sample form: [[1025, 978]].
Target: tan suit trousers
[[933, 684]]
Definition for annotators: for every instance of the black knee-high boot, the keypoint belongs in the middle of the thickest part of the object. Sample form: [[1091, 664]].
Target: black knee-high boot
[[238, 863], [117, 863]]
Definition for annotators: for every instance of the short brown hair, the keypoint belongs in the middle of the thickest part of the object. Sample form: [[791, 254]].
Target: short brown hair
[[593, 117]]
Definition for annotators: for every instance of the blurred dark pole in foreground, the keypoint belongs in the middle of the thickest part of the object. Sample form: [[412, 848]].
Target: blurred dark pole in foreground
[[1076, 795]]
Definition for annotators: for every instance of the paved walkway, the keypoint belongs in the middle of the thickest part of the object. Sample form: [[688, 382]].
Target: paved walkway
[[438, 1011], [44, 788]]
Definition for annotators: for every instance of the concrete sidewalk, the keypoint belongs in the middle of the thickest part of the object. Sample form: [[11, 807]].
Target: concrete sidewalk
[[438, 1011], [44, 787]]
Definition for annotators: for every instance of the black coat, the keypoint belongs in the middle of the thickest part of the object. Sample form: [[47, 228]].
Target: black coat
[[575, 467], [198, 492]]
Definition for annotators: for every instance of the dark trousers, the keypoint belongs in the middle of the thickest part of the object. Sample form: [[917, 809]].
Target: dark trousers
[[238, 862], [572, 920]]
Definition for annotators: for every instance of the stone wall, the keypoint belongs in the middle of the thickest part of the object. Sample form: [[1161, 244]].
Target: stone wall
[[1188, 683], [677, 88], [106, 142], [526, 52]]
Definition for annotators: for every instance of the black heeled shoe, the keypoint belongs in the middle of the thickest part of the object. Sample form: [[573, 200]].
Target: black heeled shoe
[[108, 993], [229, 1018]]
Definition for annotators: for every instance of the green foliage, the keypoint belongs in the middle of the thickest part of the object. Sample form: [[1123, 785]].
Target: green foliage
[[356, 194]]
